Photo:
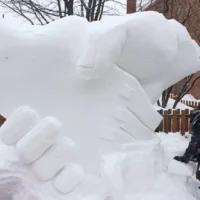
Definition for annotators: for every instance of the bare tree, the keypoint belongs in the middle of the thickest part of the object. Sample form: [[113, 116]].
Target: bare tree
[[45, 11], [186, 87], [165, 97], [143, 5]]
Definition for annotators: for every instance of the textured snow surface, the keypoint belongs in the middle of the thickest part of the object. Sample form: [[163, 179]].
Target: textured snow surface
[[84, 94], [179, 168]]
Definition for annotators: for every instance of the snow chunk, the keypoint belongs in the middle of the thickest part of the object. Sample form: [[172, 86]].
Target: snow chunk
[[179, 168]]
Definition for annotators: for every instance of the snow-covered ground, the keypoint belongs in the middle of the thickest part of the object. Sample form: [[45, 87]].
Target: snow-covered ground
[[168, 186], [176, 186]]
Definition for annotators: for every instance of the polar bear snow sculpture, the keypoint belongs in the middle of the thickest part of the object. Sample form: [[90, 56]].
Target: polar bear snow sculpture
[[98, 81]]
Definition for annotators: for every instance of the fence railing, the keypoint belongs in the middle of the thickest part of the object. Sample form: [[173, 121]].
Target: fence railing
[[193, 104], [175, 121]]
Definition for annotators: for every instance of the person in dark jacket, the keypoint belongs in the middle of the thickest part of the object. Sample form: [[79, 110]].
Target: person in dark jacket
[[192, 153]]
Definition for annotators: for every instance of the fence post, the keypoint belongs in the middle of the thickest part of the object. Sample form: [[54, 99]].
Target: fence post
[[174, 117], [166, 121], [193, 104], [178, 120], [169, 112], [183, 121], [187, 120]]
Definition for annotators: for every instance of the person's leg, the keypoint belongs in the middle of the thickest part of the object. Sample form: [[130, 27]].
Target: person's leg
[[198, 171]]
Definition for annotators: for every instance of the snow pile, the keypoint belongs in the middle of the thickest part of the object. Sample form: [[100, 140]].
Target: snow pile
[[170, 104], [189, 97], [99, 81], [180, 105]]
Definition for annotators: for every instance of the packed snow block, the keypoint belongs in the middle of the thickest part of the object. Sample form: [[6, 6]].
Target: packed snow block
[[182, 169], [18, 125], [143, 165], [54, 159], [68, 178], [38, 140]]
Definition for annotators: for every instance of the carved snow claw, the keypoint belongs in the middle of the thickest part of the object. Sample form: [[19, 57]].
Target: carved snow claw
[[69, 177], [38, 143], [18, 125]]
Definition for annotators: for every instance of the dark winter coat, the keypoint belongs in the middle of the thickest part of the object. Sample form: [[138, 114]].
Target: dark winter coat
[[193, 150], [192, 153]]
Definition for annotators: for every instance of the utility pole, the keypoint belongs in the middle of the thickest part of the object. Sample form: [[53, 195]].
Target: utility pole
[[131, 6]]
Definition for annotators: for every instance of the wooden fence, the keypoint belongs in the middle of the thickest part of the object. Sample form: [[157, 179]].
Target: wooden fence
[[175, 121]]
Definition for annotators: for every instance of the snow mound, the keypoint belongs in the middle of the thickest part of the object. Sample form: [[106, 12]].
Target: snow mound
[[189, 97]]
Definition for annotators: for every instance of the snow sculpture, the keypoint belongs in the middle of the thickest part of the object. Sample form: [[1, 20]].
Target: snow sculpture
[[99, 82]]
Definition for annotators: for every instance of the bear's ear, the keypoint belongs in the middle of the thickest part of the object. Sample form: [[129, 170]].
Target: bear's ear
[[102, 52]]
